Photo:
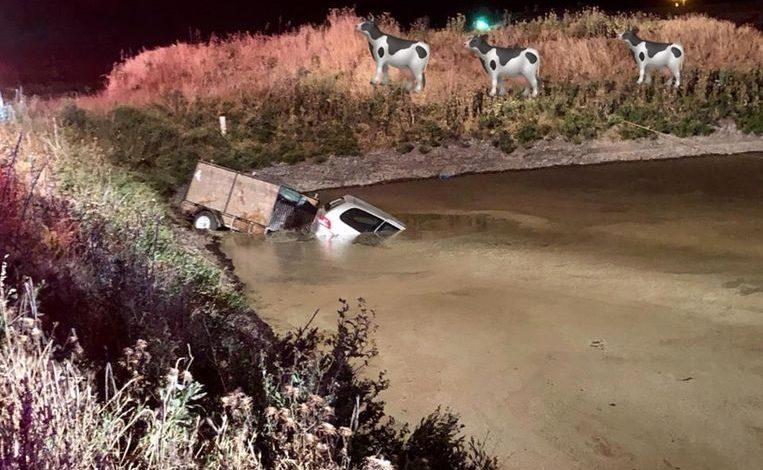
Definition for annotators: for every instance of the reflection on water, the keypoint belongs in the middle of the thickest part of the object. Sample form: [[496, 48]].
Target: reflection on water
[[679, 216], [491, 299]]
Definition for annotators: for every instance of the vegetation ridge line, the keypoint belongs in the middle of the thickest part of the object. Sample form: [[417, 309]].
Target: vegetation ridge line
[[387, 166]]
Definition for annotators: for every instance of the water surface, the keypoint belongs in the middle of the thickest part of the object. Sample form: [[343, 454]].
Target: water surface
[[605, 316]]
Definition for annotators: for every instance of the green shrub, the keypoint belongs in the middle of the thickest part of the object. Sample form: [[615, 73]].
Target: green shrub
[[405, 147], [579, 126], [505, 141], [72, 116], [529, 132], [690, 125], [437, 443], [751, 120]]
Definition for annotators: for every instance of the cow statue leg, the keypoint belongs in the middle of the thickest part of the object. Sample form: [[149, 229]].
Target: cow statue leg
[[379, 74], [501, 87], [647, 76], [385, 74], [493, 84], [532, 81], [675, 70], [641, 72], [417, 70], [419, 81]]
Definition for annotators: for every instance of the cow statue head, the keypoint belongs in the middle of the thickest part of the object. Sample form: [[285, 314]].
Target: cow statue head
[[629, 36], [369, 29], [477, 44]]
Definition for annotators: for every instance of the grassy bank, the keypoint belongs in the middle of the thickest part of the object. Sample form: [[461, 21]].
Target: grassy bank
[[575, 47], [312, 120], [305, 94], [56, 414]]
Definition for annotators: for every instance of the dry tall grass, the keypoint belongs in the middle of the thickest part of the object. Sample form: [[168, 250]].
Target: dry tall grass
[[52, 415], [575, 47]]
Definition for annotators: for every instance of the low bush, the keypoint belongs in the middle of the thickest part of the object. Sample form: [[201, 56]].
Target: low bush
[[751, 119]]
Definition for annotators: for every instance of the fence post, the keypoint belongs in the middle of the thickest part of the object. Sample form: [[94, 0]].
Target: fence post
[[223, 125]]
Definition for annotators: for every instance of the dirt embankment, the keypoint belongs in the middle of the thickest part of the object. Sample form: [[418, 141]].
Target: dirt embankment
[[481, 157]]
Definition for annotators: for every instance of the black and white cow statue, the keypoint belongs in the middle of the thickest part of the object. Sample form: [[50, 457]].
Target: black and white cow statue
[[500, 62], [651, 56], [400, 53]]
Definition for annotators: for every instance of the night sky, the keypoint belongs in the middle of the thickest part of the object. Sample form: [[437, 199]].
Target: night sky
[[70, 44]]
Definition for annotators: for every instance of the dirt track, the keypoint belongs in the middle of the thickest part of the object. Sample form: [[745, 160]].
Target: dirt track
[[481, 157]]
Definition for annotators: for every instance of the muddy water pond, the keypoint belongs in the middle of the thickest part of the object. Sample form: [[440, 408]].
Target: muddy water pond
[[605, 316]]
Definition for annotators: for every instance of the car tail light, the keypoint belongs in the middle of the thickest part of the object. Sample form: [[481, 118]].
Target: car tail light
[[323, 220]]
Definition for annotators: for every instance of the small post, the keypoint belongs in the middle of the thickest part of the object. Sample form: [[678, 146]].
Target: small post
[[223, 126], [3, 110]]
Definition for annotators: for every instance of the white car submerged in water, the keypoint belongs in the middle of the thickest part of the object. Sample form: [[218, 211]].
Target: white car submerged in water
[[348, 217], [219, 197]]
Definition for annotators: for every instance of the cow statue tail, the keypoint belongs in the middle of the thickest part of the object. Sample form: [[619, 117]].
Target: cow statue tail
[[537, 67], [683, 55], [425, 46]]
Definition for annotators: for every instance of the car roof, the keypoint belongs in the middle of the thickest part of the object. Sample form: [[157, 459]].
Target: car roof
[[368, 207]]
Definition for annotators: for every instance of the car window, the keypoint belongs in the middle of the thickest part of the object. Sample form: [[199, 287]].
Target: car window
[[387, 229], [360, 220]]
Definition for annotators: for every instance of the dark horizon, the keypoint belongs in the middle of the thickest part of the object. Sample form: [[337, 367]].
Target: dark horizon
[[55, 49]]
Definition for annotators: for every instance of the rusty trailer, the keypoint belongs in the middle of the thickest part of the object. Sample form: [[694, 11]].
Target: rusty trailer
[[220, 197]]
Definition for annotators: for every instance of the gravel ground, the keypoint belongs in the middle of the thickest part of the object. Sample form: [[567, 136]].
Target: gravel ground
[[481, 157]]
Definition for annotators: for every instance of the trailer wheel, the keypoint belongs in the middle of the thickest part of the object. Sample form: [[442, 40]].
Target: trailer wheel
[[205, 220]]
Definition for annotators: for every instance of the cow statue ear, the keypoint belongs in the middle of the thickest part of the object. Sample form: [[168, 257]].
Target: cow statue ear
[[634, 29], [483, 37]]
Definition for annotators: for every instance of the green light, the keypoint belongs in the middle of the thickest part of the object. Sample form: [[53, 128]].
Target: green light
[[481, 24]]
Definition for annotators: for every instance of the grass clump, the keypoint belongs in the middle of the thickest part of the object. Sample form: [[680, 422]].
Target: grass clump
[[752, 120]]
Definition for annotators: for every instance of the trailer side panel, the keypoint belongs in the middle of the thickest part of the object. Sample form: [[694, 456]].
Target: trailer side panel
[[210, 186], [252, 200]]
